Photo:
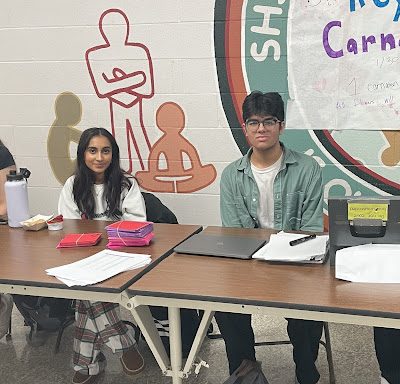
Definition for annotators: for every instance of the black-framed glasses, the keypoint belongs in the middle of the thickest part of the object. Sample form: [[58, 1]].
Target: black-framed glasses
[[254, 124]]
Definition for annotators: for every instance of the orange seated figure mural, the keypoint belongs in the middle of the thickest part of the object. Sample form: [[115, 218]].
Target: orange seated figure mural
[[171, 149]]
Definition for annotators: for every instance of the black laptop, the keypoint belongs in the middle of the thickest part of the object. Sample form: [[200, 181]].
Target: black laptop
[[220, 245]]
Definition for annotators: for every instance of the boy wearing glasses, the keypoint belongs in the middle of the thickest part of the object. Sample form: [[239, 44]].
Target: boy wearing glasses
[[271, 187]]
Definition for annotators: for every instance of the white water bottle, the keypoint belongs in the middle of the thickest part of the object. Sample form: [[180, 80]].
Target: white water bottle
[[16, 190]]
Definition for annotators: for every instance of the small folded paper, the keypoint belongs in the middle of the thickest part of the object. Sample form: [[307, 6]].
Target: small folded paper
[[79, 240], [129, 234]]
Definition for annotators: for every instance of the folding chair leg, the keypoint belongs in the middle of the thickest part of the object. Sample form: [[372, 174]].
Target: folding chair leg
[[328, 348], [136, 330], [8, 335], [61, 330], [58, 342]]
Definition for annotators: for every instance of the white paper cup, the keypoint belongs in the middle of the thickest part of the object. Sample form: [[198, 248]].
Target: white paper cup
[[55, 226]]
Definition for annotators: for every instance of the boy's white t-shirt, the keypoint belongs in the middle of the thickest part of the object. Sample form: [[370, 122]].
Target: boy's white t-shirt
[[265, 182]]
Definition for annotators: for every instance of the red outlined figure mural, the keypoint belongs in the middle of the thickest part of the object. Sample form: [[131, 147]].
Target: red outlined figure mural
[[172, 147], [122, 72], [68, 111]]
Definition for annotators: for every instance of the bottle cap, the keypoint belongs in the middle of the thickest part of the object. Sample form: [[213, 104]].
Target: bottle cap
[[23, 173], [14, 176]]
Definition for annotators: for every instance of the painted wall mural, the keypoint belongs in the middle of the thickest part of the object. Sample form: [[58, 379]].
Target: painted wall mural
[[68, 111], [252, 54], [168, 80], [175, 175], [122, 72]]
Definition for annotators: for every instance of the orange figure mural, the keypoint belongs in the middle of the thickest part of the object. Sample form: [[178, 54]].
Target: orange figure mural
[[172, 147], [68, 110], [122, 72]]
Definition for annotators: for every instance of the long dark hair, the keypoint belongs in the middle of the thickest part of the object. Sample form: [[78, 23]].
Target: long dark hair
[[115, 180]]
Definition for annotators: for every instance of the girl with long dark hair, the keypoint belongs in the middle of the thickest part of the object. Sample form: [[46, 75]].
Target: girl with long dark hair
[[100, 190]]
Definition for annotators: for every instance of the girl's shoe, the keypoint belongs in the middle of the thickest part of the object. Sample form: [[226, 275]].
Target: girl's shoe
[[80, 378], [132, 362]]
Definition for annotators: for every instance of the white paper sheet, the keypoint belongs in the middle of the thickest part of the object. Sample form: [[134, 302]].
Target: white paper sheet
[[369, 263], [98, 267], [278, 248]]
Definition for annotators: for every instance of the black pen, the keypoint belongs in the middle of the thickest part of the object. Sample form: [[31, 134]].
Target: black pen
[[302, 240]]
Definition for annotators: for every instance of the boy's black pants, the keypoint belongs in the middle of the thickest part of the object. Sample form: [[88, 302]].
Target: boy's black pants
[[239, 343], [387, 348]]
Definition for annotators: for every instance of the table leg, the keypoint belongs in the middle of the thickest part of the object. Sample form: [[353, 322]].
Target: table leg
[[198, 341], [175, 340]]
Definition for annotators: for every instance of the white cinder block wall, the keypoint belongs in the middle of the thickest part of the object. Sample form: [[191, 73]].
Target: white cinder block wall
[[43, 55], [43, 46]]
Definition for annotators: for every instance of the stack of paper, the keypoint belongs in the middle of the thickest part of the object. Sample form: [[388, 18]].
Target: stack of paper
[[129, 234], [279, 249], [369, 263], [98, 267], [79, 240]]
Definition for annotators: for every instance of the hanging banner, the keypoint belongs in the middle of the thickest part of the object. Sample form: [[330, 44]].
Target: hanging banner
[[344, 64]]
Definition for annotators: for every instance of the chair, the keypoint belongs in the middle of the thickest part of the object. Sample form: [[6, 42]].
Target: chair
[[326, 344], [156, 211], [36, 320], [70, 319]]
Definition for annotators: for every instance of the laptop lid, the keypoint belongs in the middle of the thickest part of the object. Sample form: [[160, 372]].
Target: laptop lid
[[220, 245]]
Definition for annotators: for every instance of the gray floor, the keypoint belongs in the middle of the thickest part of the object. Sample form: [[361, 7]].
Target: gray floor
[[353, 354]]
